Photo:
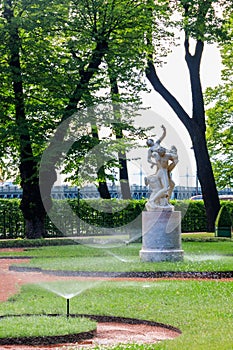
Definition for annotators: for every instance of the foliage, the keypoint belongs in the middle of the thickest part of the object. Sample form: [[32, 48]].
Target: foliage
[[224, 221], [99, 214], [224, 218], [52, 60], [67, 52], [201, 22], [55, 242], [55, 50], [30, 243], [220, 118], [110, 213], [193, 215], [11, 219], [90, 151]]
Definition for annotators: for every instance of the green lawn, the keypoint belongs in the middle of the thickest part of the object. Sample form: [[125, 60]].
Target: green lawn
[[202, 310], [35, 326], [199, 256]]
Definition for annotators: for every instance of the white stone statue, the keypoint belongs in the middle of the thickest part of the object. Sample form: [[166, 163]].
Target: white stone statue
[[153, 146], [160, 182]]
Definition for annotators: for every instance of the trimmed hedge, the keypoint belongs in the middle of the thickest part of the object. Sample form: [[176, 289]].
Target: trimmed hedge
[[94, 217], [100, 214], [32, 243], [11, 219], [193, 215]]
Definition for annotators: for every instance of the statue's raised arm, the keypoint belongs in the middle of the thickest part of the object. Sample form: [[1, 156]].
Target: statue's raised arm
[[163, 135], [153, 146]]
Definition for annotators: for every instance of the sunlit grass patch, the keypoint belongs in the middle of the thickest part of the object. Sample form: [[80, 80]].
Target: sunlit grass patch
[[198, 256], [202, 310], [35, 326]]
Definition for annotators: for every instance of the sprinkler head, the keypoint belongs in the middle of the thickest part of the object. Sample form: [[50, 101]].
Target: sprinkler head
[[67, 307]]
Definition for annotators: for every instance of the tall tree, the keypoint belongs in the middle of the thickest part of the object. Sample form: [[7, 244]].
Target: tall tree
[[17, 30], [200, 23], [50, 56], [220, 118], [27, 167]]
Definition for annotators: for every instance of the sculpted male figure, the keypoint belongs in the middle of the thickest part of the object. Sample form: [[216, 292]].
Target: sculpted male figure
[[161, 183], [164, 168], [153, 146]]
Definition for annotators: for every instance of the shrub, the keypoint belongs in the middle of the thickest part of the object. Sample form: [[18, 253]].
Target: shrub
[[11, 219], [100, 214], [193, 215], [223, 223]]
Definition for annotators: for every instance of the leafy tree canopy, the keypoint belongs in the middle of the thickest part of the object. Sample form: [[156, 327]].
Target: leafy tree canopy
[[220, 117]]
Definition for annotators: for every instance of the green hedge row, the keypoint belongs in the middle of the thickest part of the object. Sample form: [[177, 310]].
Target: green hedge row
[[11, 219], [97, 216], [94, 217], [193, 215]]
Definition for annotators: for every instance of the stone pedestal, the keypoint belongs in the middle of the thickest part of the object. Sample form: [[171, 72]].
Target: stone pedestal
[[161, 236]]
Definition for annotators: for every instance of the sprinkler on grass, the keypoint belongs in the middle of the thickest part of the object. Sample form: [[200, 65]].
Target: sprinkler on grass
[[67, 307], [68, 289]]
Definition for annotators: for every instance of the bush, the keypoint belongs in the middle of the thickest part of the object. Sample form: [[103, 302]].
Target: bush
[[29, 243], [100, 214], [11, 219], [96, 216], [223, 223], [193, 215]]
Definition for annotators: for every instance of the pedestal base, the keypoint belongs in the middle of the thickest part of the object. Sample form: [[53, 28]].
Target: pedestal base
[[161, 255], [161, 236]]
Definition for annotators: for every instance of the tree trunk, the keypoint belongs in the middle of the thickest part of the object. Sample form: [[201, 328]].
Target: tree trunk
[[101, 176], [33, 209], [102, 184], [31, 204], [86, 74], [124, 176], [205, 176], [34, 227]]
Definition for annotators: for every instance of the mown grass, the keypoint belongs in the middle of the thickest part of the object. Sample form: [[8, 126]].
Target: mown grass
[[202, 310], [35, 326], [198, 256]]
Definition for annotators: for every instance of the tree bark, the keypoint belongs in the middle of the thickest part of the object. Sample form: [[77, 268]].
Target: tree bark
[[101, 176], [205, 176], [102, 184], [123, 171], [31, 204], [33, 211], [195, 126]]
